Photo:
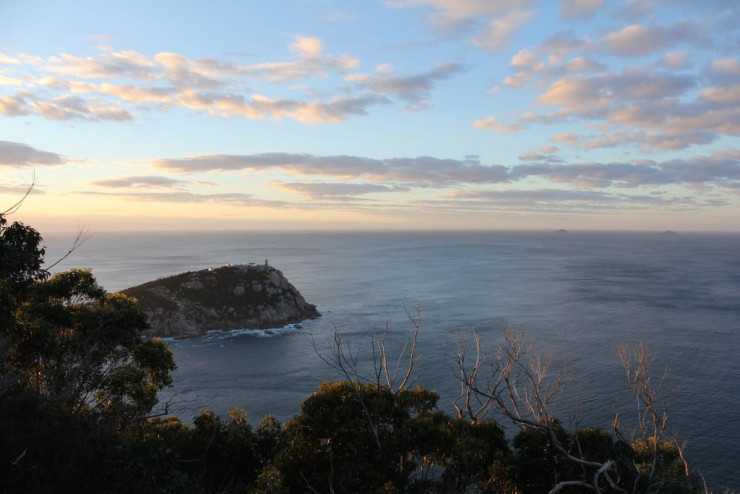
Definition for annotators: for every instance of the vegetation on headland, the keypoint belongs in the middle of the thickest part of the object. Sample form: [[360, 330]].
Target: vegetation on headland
[[229, 297], [78, 385]]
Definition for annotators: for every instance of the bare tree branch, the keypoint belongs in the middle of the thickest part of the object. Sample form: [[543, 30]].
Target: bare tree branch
[[83, 235], [15, 207]]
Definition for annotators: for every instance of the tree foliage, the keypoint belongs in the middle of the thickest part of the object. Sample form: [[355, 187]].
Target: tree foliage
[[72, 355]]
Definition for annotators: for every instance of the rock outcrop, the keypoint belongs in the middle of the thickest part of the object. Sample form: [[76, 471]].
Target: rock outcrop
[[226, 298]]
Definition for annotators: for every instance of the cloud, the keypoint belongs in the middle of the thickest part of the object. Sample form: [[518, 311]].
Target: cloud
[[495, 36], [580, 8], [384, 175], [725, 71], [550, 61], [631, 84], [721, 168], [13, 106], [493, 124], [222, 104], [234, 199], [448, 12], [8, 60], [657, 109], [568, 138], [129, 64], [335, 190], [139, 182], [654, 107], [422, 171], [492, 21], [179, 70], [722, 95], [639, 9], [533, 156], [649, 142], [542, 197], [637, 40], [675, 60], [19, 190], [113, 85], [414, 89], [307, 47], [559, 201], [560, 45], [17, 154], [259, 106], [74, 108], [673, 116], [339, 17]]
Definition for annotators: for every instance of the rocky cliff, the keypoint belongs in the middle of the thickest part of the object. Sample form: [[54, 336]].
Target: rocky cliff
[[230, 297]]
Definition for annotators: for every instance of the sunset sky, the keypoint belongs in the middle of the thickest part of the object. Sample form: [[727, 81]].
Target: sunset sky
[[371, 114]]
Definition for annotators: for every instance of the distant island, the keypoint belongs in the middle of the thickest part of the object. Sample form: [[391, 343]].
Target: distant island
[[247, 296], [669, 232], [562, 230]]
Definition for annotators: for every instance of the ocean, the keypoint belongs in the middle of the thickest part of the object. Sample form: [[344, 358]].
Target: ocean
[[577, 294]]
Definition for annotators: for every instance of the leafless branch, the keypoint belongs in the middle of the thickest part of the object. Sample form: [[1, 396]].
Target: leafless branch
[[652, 416], [15, 207], [83, 235]]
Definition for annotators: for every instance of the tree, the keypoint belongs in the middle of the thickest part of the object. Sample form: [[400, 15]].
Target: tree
[[354, 437], [521, 387], [71, 349], [403, 441]]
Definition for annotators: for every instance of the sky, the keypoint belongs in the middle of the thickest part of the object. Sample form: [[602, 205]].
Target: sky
[[371, 114]]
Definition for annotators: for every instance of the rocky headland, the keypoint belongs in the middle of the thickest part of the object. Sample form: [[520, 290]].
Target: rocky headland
[[226, 298]]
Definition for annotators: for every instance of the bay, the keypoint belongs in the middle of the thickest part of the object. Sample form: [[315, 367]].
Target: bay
[[577, 294]]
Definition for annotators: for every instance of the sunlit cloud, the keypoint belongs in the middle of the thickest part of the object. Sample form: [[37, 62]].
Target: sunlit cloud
[[13, 106], [726, 68], [461, 9], [415, 89], [113, 86], [675, 60], [539, 157], [493, 22], [75, 108], [493, 124], [129, 64], [637, 40], [496, 34], [307, 47]]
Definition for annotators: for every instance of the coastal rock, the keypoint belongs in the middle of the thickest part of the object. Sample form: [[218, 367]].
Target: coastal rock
[[193, 303]]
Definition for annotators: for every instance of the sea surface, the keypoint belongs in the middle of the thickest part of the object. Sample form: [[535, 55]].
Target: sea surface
[[577, 294]]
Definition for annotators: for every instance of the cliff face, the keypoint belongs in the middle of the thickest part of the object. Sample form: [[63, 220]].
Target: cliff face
[[230, 297]]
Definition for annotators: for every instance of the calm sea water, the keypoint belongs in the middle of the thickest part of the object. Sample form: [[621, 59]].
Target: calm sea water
[[577, 294]]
